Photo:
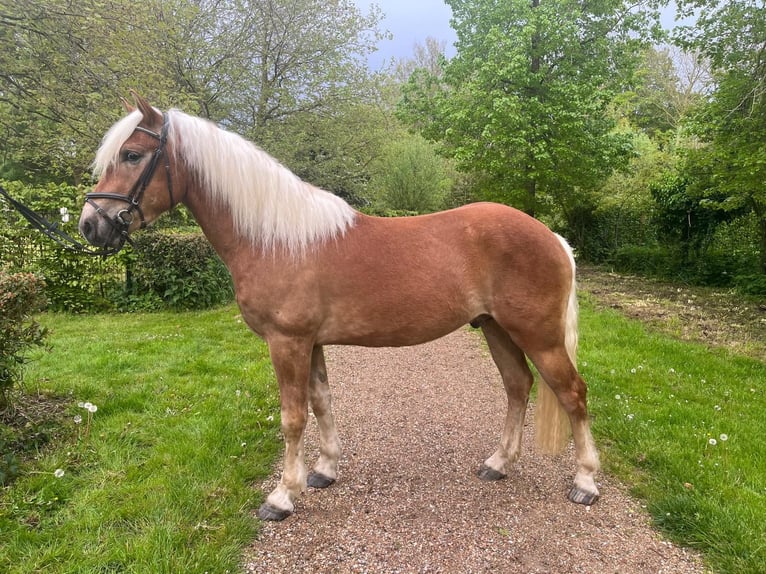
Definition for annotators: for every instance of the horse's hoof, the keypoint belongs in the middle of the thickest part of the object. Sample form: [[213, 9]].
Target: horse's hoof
[[490, 474], [269, 512], [580, 496], [319, 480]]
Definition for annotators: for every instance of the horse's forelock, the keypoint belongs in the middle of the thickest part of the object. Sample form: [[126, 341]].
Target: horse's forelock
[[109, 151]]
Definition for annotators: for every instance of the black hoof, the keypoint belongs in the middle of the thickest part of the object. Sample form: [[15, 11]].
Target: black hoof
[[319, 480], [269, 512], [580, 496], [490, 474]]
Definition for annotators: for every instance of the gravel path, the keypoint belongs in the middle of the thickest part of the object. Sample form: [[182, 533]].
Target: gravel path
[[415, 424]]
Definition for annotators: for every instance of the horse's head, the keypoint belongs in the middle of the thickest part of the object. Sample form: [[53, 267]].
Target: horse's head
[[135, 180]]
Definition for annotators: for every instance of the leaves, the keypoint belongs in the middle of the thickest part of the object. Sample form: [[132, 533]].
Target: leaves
[[524, 101], [733, 163], [248, 64]]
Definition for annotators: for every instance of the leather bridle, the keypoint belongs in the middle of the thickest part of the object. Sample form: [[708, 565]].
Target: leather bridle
[[125, 217]]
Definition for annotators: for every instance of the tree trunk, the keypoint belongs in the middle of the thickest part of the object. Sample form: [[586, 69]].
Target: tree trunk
[[534, 92]]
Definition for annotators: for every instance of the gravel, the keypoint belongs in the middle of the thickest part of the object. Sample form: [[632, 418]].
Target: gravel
[[416, 423]]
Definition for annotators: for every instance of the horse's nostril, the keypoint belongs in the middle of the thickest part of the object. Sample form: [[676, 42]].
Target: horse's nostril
[[86, 228]]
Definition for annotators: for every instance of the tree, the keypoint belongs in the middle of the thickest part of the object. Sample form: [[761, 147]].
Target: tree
[[669, 83], [335, 151], [252, 65], [411, 177], [428, 57], [524, 101], [731, 34], [62, 68]]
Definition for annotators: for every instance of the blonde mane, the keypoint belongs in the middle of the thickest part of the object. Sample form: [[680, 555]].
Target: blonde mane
[[268, 203]]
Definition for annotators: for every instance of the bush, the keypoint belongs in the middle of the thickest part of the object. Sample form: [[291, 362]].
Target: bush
[[411, 178], [73, 282], [176, 270], [21, 296], [653, 260], [754, 285]]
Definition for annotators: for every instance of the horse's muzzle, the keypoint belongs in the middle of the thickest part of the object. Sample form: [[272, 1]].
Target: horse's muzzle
[[98, 230]]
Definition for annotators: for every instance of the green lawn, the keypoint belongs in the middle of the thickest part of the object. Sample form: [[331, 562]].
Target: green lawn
[[685, 427], [161, 477]]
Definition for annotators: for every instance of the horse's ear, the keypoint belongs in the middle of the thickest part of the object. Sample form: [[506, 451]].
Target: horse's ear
[[151, 116], [127, 105]]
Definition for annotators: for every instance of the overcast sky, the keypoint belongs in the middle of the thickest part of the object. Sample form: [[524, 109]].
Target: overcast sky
[[412, 21]]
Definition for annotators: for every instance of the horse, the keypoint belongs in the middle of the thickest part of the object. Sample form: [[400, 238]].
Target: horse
[[309, 271]]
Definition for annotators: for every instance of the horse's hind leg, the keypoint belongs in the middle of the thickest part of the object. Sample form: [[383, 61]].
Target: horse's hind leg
[[562, 377], [517, 379], [326, 469]]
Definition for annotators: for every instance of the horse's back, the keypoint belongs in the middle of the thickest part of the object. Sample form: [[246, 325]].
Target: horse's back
[[392, 281]]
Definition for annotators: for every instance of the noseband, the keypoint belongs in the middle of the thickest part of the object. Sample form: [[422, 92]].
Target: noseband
[[124, 218]]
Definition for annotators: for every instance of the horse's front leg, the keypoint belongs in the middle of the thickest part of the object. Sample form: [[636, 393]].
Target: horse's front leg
[[292, 364]]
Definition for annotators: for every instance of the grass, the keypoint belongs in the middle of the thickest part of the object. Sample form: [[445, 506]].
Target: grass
[[159, 478], [682, 425]]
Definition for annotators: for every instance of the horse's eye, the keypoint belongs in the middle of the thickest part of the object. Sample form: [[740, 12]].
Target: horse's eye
[[132, 156]]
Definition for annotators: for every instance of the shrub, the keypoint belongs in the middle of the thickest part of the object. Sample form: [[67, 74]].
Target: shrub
[[651, 260], [21, 296], [754, 285], [411, 178], [177, 270], [73, 282]]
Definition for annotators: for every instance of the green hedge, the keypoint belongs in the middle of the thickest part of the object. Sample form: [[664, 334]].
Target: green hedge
[[73, 282], [176, 270], [167, 270], [21, 297]]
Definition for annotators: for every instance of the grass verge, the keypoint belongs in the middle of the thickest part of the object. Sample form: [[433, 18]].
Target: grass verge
[[683, 425], [160, 477]]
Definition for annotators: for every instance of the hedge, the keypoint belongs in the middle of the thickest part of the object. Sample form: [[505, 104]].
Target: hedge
[[176, 270], [21, 297], [168, 269]]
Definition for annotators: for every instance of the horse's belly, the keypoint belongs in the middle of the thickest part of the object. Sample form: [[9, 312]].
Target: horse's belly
[[393, 325]]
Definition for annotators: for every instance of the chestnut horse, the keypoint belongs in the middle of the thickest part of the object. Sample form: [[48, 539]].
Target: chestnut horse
[[310, 271]]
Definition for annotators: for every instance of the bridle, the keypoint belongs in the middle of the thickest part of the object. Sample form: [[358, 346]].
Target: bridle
[[125, 217]]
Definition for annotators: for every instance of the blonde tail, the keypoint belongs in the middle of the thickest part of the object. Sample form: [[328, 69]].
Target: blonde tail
[[552, 423]]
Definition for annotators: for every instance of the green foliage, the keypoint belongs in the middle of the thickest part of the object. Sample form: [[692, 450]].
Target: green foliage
[[410, 177], [689, 227], [754, 285], [667, 86], [333, 151], [21, 297], [177, 270], [651, 260], [169, 270], [53, 119], [730, 34], [524, 100], [251, 65], [73, 282]]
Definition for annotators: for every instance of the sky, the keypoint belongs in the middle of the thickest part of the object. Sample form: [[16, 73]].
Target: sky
[[412, 21]]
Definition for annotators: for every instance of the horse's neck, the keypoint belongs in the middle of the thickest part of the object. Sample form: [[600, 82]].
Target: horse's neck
[[218, 226]]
